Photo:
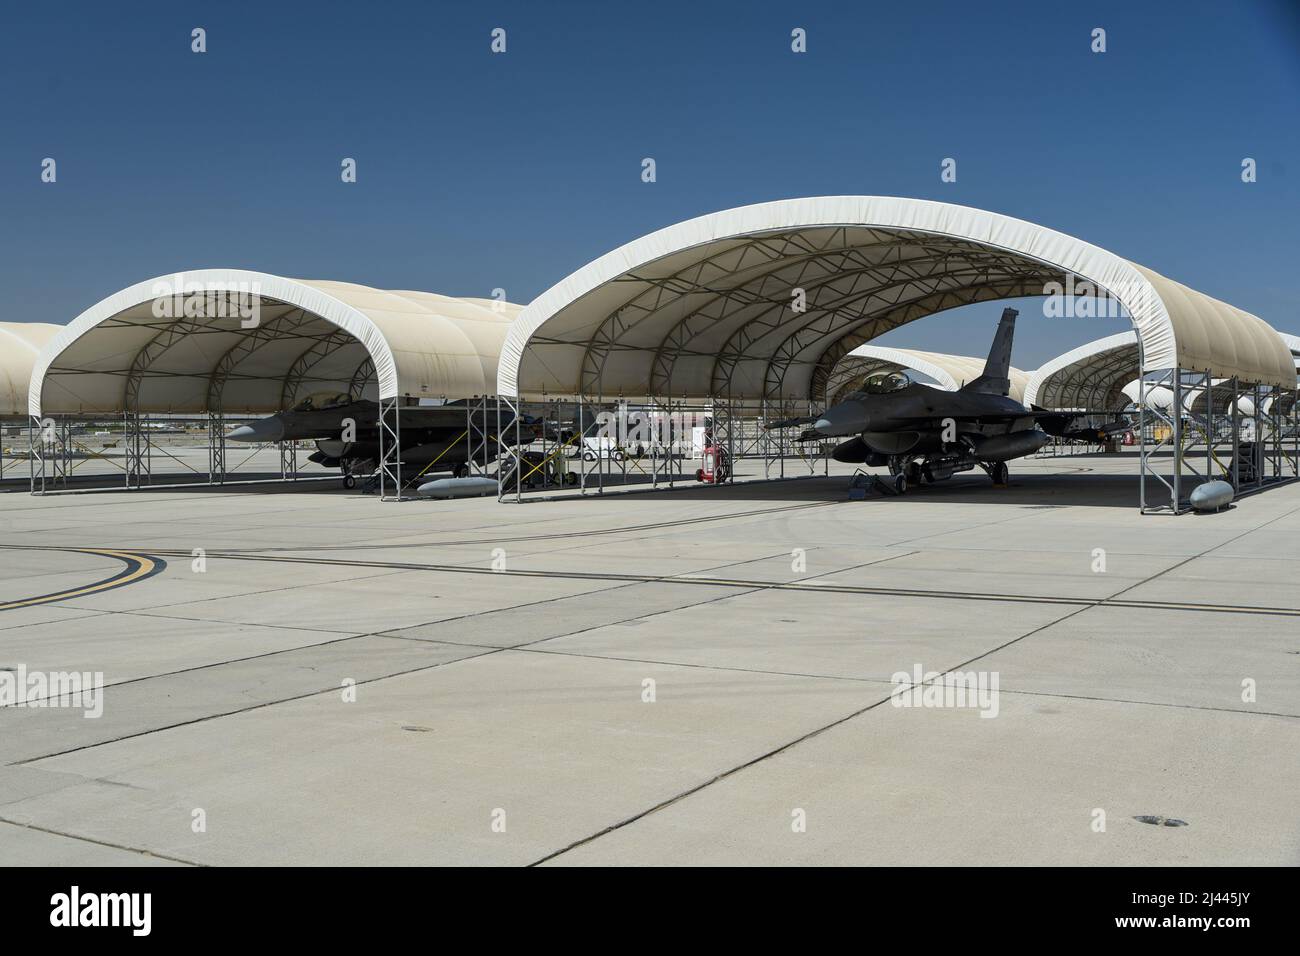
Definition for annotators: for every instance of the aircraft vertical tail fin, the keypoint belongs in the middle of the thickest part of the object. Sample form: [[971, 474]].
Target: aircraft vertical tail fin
[[996, 379]]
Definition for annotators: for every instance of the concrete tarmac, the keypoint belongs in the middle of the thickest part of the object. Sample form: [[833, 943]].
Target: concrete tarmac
[[304, 675]]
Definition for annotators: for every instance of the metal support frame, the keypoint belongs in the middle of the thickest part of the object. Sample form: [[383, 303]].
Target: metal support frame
[[390, 449], [1268, 427], [55, 444], [1235, 471], [480, 435], [49, 451], [35, 458], [663, 428], [509, 456], [216, 448], [288, 460], [1146, 414], [138, 448]]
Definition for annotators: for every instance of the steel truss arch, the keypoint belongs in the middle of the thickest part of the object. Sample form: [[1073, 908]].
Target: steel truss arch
[[677, 311]]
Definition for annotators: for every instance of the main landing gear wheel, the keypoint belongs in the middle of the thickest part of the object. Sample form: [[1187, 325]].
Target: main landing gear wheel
[[349, 481], [900, 484], [999, 473], [461, 470]]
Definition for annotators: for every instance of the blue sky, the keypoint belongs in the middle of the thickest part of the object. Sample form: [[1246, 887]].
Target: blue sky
[[478, 171]]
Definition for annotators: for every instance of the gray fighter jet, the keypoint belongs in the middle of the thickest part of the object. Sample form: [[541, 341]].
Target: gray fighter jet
[[925, 434], [346, 431]]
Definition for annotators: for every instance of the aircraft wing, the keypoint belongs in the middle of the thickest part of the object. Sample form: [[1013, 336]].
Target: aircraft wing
[[433, 416], [1037, 414]]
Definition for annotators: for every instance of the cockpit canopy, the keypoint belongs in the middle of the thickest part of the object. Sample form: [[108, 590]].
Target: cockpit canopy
[[884, 382], [320, 400]]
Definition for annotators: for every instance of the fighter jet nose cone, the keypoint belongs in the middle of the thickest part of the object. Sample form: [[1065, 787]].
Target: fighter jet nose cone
[[264, 429], [846, 418]]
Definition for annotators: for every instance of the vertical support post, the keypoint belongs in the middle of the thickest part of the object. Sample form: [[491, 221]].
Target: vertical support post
[[469, 432], [36, 455], [1236, 435], [216, 448], [676, 428], [510, 460], [1261, 440], [62, 457], [1294, 415], [1209, 426], [390, 448], [1142, 440], [501, 488], [655, 419], [487, 453], [785, 437], [137, 453], [581, 441], [1177, 416]]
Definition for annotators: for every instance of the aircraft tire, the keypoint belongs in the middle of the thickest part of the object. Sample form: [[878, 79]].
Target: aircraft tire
[[999, 473], [900, 484], [349, 481]]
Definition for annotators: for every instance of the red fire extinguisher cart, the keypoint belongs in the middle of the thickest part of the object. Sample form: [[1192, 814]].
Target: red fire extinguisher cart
[[717, 466]]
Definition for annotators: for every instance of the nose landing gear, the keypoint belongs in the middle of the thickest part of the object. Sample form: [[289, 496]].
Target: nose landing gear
[[998, 471]]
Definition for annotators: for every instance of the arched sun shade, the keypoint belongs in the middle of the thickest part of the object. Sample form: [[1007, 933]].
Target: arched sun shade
[[951, 372], [1292, 343], [1158, 396], [711, 307], [147, 349], [1195, 400], [1091, 376], [20, 344]]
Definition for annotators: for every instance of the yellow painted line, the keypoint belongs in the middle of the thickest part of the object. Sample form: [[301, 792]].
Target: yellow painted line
[[138, 567]]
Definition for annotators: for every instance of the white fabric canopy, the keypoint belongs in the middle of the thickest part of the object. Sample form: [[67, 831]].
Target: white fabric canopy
[[708, 307], [20, 344], [1293, 344], [309, 336]]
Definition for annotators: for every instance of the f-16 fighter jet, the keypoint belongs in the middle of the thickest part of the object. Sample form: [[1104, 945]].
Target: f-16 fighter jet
[[925, 434], [346, 430]]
